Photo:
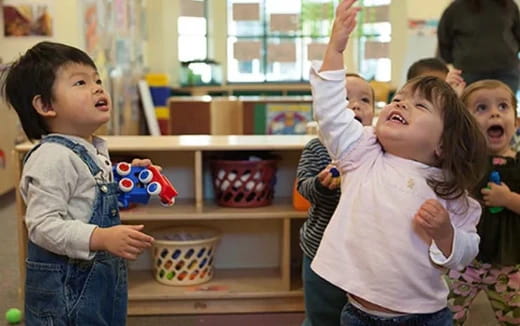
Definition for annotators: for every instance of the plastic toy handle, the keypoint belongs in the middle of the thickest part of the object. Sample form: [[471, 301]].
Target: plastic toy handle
[[495, 178]]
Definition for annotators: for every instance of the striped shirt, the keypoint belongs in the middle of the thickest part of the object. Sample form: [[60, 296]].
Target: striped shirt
[[323, 200]]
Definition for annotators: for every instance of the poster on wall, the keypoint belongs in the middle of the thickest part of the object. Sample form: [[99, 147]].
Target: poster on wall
[[23, 19], [287, 119]]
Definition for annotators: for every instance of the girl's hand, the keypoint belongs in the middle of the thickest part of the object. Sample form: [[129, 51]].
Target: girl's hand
[[496, 195], [327, 180], [126, 241], [455, 80], [434, 219], [344, 24]]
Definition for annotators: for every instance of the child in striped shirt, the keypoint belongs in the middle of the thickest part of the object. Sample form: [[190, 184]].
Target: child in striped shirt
[[324, 301]]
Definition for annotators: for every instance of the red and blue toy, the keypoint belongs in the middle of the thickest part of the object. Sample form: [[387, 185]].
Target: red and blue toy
[[138, 183]]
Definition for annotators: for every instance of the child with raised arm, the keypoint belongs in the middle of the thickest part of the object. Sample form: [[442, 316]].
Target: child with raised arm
[[77, 251], [324, 301], [496, 270], [404, 215]]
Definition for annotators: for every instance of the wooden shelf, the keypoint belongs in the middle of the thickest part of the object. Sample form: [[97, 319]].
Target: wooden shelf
[[252, 234], [187, 210], [199, 143], [238, 290], [284, 88]]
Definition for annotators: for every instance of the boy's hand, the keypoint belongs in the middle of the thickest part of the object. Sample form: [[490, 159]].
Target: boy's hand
[[496, 195], [344, 24], [327, 180], [144, 162], [126, 241], [434, 219], [455, 80], [141, 162]]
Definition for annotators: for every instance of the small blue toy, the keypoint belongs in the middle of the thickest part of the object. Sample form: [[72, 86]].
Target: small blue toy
[[495, 178], [334, 172], [138, 183], [336, 176]]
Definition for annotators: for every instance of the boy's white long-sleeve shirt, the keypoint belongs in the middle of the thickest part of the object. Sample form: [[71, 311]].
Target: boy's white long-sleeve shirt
[[371, 247], [59, 192]]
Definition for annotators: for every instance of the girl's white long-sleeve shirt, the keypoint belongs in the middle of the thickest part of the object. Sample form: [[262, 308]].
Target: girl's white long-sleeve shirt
[[371, 247]]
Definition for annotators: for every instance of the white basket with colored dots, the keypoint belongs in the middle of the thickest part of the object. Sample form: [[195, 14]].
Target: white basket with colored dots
[[184, 255]]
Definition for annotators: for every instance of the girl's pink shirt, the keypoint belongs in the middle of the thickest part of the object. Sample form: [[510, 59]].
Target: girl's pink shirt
[[371, 247]]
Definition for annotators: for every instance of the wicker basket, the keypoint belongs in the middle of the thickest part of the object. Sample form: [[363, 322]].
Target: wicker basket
[[184, 255], [244, 183]]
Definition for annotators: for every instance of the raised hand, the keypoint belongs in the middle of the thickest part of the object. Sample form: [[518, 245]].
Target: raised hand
[[344, 24], [455, 80]]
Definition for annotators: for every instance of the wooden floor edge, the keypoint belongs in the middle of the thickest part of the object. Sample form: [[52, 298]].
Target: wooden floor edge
[[215, 306]]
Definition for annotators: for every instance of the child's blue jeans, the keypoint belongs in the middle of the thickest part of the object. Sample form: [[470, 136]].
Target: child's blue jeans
[[351, 316], [323, 300]]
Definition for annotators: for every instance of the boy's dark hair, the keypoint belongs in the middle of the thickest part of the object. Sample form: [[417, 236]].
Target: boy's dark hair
[[34, 74], [463, 158], [426, 64]]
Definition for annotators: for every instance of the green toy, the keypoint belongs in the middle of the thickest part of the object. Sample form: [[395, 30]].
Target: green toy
[[13, 316]]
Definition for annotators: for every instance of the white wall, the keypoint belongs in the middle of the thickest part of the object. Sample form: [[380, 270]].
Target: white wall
[[161, 18], [66, 29], [418, 9], [406, 48]]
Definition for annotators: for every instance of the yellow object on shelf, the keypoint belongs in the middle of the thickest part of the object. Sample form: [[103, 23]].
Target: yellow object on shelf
[[162, 112], [157, 79]]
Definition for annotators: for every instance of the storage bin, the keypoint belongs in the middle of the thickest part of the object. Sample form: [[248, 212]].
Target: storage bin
[[184, 255], [246, 183]]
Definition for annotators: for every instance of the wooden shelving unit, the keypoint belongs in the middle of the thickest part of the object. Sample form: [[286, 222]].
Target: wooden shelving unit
[[230, 89], [9, 135], [258, 269]]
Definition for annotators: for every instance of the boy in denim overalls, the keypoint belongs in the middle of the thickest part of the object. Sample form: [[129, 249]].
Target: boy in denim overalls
[[76, 269]]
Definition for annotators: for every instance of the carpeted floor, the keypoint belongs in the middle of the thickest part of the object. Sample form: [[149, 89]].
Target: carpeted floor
[[10, 281]]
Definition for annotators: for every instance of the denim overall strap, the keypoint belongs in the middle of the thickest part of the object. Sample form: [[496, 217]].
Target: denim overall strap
[[73, 286], [79, 149]]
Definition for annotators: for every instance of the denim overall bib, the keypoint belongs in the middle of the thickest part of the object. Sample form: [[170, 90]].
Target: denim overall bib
[[63, 291]]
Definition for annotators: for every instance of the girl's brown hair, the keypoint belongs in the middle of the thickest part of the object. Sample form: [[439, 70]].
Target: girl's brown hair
[[463, 158], [487, 84]]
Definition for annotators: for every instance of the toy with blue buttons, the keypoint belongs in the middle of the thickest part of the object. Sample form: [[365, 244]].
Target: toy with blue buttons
[[137, 184]]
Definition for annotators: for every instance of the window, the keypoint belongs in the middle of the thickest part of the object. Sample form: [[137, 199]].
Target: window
[[275, 40], [192, 43], [192, 28], [374, 35]]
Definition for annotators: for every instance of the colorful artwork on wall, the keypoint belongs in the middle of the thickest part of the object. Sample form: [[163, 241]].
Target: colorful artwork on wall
[[27, 19], [287, 119]]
